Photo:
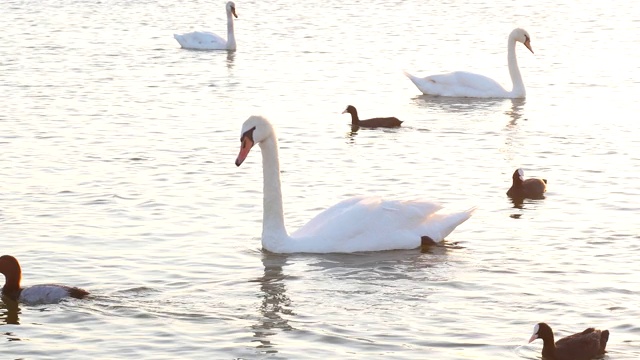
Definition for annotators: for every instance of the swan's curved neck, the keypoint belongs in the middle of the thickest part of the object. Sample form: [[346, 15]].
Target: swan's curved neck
[[231, 38], [518, 90], [274, 233]]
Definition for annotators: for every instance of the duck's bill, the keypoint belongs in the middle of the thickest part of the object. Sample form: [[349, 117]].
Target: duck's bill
[[533, 337], [246, 146]]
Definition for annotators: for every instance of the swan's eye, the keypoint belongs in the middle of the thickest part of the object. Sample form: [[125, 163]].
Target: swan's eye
[[247, 134]]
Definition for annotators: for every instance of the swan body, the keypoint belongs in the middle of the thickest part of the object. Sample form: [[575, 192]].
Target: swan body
[[205, 40], [353, 225], [466, 84], [36, 294]]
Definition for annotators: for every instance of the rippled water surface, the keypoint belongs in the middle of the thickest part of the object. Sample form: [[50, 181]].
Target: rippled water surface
[[117, 154]]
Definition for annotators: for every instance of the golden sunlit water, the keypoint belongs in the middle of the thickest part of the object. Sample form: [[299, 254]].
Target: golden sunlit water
[[117, 153]]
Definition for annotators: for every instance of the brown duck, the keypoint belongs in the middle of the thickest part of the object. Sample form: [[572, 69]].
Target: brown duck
[[529, 188], [386, 122], [35, 294], [581, 346]]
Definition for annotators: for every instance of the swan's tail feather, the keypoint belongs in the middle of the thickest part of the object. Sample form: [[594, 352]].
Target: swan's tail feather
[[180, 39], [420, 83], [411, 77], [439, 226]]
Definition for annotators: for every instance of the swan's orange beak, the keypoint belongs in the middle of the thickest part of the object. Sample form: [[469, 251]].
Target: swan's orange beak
[[245, 147], [527, 43]]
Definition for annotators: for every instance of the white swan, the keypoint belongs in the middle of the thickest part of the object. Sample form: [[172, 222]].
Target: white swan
[[355, 224], [465, 84], [204, 40]]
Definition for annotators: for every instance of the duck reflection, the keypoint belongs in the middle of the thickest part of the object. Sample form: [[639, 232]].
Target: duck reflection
[[519, 205], [518, 202], [9, 311], [351, 135], [275, 302]]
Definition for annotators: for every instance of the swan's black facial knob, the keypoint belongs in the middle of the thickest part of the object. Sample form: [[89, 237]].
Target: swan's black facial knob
[[246, 143]]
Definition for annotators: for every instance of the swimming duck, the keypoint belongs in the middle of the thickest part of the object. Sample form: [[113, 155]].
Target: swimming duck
[[581, 346], [35, 294], [529, 188], [386, 122]]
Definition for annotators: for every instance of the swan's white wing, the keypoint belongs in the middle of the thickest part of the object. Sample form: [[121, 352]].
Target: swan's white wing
[[201, 40], [459, 83], [327, 216], [366, 224], [463, 79]]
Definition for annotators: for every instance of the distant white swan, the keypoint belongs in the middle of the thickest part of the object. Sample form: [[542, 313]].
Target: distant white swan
[[465, 84], [355, 224], [204, 40]]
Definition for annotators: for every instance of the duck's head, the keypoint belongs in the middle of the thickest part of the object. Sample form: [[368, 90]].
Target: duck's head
[[542, 331], [254, 130], [231, 8], [10, 268], [518, 176], [521, 35], [350, 109]]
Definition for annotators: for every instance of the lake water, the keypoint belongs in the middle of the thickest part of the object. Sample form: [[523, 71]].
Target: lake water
[[117, 153]]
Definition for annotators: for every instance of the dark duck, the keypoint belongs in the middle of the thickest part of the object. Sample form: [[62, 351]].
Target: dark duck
[[581, 346], [385, 122], [529, 188], [35, 294]]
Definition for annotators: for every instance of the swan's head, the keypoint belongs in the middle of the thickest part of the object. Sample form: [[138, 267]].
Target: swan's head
[[521, 35], [254, 130], [231, 8]]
